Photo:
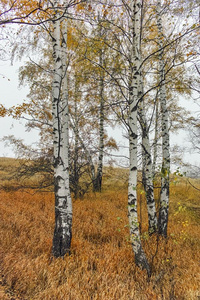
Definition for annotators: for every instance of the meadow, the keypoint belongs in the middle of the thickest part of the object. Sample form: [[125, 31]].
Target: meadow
[[101, 265]]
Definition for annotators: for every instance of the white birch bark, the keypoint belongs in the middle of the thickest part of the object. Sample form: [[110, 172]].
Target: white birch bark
[[76, 175], [98, 179], [164, 195], [63, 203], [155, 143], [135, 14], [147, 174]]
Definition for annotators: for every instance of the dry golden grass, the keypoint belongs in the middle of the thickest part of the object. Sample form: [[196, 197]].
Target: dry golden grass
[[101, 266]]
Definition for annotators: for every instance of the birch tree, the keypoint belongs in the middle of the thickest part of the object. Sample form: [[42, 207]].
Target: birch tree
[[155, 148], [134, 96], [35, 13], [98, 178], [147, 171], [165, 171], [63, 204]]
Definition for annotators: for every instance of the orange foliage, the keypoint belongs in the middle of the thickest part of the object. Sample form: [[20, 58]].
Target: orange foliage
[[101, 265], [22, 11], [3, 111]]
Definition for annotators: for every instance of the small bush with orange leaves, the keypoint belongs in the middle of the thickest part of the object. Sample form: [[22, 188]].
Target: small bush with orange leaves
[[101, 265]]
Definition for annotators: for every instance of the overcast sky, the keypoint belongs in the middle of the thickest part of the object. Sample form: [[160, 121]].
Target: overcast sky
[[11, 94]]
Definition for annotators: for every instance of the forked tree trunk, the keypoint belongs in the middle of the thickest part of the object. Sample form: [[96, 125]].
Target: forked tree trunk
[[63, 204], [164, 195], [135, 13]]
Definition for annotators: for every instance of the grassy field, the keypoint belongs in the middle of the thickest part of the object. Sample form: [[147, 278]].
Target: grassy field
[[101, 266]]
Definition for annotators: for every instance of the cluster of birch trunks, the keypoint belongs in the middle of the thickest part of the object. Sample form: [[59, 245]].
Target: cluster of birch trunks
[[60, 111]]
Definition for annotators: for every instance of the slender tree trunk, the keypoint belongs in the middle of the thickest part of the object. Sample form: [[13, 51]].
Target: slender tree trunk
[[147, 175], [76, 175], [98, 179], [164, 196], [155, 144], [63, 204], [140, 257]]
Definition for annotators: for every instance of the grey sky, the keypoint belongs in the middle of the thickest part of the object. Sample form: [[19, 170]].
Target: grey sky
[[11, 94]]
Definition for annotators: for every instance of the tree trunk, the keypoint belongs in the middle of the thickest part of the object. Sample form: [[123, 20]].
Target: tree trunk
[[147, 175], [135, 13], [98, 179], [76, 147], [164, 195], [155, 143], [63, 204]]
